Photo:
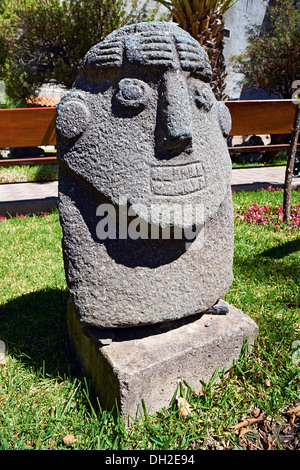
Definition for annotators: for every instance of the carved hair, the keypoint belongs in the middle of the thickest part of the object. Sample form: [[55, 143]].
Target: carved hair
[[144, 44]]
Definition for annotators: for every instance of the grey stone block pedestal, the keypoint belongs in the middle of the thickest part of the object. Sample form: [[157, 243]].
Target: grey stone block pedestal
[[128, 365]]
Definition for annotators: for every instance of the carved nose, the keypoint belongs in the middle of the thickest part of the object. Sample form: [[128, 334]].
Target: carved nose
[[174, 128]]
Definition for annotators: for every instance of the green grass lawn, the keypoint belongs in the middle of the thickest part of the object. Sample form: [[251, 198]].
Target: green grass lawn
[[43, 395], [27, 173]]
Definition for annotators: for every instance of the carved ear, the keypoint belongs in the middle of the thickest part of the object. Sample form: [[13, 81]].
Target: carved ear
[[73, 116], [224, 118]]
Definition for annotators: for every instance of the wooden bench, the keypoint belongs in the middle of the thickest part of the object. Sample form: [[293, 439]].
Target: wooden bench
[[32, 127], [264, 117], [28, 127]]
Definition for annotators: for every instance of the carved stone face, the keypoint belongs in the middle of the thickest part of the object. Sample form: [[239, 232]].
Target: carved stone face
[[142, 125]]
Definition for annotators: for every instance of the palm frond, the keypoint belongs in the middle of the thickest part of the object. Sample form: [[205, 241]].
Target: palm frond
[[196, 4], [167, 4], [188, 9], [227, 4], [179, 5], [211, 4]]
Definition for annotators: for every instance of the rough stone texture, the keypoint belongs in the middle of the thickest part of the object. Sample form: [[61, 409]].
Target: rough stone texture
[[143, 363], [141, 129], [136, 282]]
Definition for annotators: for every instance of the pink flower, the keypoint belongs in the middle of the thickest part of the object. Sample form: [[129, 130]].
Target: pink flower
[[264, 215], [279, 211]]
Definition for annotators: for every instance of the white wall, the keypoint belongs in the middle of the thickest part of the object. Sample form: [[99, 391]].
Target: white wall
[[238, 19]]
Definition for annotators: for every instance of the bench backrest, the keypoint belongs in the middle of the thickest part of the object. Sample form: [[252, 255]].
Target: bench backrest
[[27, 127], [36, 126], [262, 117]]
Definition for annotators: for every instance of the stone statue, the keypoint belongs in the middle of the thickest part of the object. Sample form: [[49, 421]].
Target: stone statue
[[144, 181]]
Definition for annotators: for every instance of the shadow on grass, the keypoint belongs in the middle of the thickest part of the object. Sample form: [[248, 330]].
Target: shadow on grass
[[262, 267], [271, 276], [283, 250], [34, 329]]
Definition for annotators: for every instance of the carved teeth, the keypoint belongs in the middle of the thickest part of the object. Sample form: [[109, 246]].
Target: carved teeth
[[177, 180], [172, 173]]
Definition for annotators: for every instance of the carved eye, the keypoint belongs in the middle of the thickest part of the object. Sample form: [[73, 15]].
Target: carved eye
[[133, 94], [204, 98], [224, 118], [72, 116]]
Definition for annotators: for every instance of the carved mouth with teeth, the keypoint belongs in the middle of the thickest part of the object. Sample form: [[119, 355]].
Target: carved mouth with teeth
[[177, 180]]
